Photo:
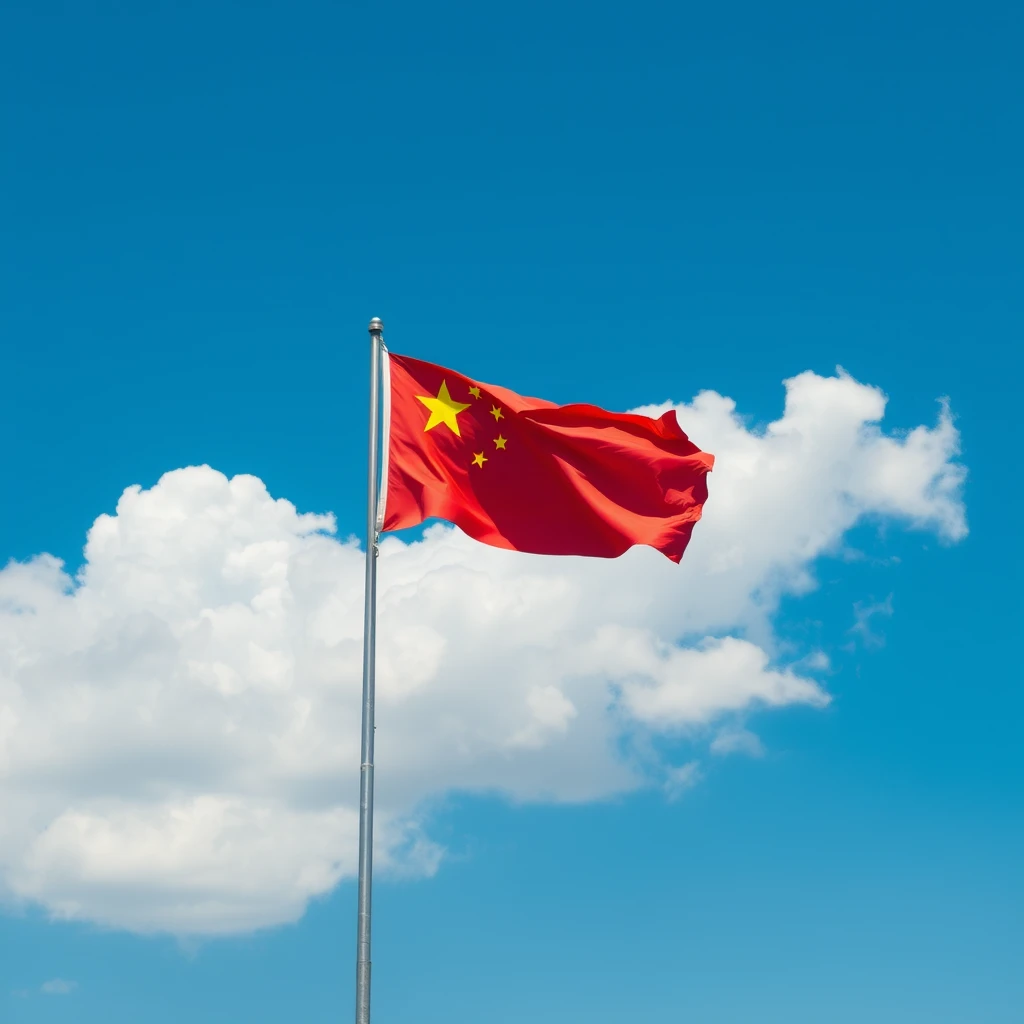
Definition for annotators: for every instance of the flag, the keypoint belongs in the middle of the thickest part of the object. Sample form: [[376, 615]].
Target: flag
[[529, 475]]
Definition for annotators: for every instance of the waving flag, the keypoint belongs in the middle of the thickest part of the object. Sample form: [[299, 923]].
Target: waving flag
[[530, 475]]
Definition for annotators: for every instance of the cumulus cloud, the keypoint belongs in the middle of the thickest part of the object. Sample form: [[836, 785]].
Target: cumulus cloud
[[179, 721]]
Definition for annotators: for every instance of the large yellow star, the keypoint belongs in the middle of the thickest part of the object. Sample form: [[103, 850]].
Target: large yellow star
[[443, 409]]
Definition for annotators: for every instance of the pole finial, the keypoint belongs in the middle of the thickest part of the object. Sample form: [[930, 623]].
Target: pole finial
[[376, 324]]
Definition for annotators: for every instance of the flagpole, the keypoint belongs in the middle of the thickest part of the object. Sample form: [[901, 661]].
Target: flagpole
[[369, 648]]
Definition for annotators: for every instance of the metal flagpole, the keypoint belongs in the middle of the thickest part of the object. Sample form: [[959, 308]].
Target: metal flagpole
[[369, 647]]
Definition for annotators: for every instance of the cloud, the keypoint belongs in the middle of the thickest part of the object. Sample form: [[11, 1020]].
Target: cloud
[[58, 987], [179, 722], [737, 741], [679, 780], [680, 686], [863, 627]]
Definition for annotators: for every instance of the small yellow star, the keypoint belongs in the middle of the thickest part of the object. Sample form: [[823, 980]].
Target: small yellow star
[[475, 392], [443, 409], [479, 459], [499, 442], [496, 413]]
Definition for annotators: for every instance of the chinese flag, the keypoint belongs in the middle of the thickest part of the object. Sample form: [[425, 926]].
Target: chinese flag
[[529, 475]]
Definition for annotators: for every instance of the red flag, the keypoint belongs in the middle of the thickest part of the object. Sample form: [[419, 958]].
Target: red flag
[[529, 475]]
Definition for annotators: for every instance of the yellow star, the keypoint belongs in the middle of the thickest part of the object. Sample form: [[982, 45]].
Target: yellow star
[[443, 409], [499, 442], [479, 459], [475, 392], [496, 413]]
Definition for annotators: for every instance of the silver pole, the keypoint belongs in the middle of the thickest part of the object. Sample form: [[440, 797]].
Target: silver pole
[[369, 648]]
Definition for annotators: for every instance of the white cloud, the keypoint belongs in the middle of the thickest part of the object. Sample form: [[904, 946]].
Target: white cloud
[[679, 780], [673, 686], [733, 740], [863, 628], [58, 987], [179, 723]]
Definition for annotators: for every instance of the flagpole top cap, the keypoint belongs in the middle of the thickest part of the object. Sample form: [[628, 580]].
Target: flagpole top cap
[[376, 324]]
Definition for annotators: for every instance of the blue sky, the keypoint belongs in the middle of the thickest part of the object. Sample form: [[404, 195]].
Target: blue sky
[[202, 208]]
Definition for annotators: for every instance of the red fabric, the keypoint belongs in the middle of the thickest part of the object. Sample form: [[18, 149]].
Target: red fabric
[[571, 479]]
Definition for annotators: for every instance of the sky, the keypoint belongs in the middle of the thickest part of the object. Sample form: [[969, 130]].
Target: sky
[[781, 782]]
